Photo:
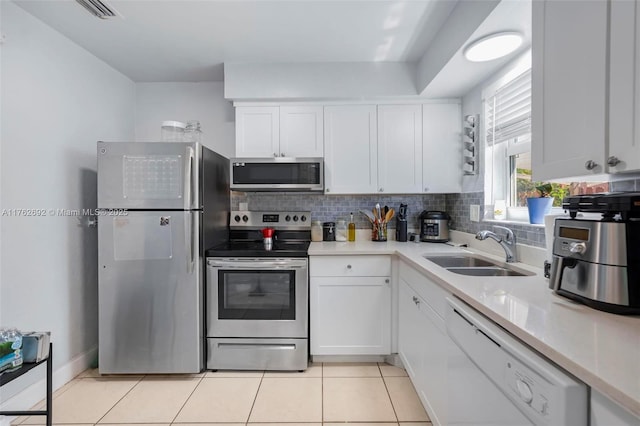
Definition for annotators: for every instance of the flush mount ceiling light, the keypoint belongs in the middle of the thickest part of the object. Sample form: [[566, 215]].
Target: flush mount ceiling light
[[493, 46]]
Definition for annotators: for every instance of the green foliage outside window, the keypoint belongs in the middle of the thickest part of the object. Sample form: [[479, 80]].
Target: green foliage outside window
[[526, 188]]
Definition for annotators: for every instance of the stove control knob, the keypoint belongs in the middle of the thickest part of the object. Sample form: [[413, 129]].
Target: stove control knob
[[237, 218], [245, 218], [295, 218], [287, 218], [303, 218]]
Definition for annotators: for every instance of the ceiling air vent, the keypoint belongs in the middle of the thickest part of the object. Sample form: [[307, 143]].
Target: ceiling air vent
[[98, 8]]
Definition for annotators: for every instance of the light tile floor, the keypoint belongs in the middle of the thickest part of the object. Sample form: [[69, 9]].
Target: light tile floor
[[367, 394]]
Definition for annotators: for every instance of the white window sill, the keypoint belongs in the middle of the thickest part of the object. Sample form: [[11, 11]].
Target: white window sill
[[514, 222]]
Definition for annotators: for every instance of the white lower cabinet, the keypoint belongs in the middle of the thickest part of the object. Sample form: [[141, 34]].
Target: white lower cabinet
[[423, 343], [605, 412], [350, 305]]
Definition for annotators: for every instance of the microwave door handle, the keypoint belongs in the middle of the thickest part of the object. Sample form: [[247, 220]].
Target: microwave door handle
[[189, 178]]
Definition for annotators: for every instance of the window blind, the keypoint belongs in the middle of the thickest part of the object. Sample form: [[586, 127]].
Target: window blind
[[508, 111]]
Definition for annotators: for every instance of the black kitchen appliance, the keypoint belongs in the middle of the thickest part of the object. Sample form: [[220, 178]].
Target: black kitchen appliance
[[434, 226], [597, 261], [401, 224]]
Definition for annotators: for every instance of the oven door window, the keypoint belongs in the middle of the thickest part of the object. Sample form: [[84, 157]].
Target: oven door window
[[256, 295]]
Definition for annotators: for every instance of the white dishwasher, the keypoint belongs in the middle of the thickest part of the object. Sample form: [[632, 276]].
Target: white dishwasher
[[499, 381]]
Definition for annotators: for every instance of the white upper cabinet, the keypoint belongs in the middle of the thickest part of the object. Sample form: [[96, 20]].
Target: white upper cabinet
[[569, 88], [584, 121], [301, 131], [257, 131], [272, 131], [350, 149], [367, 149], [624, 89], [441, 148], [400, 149]]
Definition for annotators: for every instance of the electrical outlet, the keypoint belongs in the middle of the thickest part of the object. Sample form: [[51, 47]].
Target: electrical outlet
[[474, 213]]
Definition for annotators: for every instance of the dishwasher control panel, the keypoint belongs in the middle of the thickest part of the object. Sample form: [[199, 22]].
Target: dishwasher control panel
[[528, 386]]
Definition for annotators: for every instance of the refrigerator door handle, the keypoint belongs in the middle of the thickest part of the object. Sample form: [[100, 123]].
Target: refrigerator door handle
[[189, 241], [189, 178]]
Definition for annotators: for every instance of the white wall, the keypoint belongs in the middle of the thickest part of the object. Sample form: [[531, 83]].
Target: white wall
[[316, 81], [57, 100], [158, 102], [454, 33], [472, 105]]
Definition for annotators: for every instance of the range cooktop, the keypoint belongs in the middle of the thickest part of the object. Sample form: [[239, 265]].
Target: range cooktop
[[291, 238]]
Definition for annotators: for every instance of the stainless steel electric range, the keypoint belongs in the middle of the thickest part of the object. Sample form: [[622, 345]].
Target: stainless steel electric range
[[258, 294]]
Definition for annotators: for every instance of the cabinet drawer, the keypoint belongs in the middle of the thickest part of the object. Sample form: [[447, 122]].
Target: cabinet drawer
[[349, 266], [429, 291]]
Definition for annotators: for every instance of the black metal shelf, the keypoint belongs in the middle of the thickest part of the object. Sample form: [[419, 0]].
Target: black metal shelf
[[25, 368]]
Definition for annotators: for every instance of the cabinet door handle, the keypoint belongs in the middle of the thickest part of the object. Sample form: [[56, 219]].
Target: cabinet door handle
[[327, 190], [275, 155], [282, 154], [381, 189], [613, 161], [590, 165], [348, 266], [426, 189], [386, 281]]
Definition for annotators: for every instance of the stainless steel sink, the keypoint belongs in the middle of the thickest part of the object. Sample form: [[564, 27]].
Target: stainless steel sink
[[457, 261], [468, 264], [489, 271]]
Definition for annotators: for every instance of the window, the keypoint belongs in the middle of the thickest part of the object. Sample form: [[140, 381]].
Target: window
[[507, 131]]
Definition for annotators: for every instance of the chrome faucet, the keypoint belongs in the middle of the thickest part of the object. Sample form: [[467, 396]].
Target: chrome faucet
[[508, 243]]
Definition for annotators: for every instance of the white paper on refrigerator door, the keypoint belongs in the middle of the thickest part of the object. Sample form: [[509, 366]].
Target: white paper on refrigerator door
[[142, 238]]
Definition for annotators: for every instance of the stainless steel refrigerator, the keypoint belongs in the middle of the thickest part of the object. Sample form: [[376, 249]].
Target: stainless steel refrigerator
[[161, 205]]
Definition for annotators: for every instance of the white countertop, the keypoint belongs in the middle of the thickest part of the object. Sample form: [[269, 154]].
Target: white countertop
[[599, 348]]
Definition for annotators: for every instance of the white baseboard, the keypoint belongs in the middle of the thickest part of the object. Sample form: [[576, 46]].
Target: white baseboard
[[31, 394], [347, 358]]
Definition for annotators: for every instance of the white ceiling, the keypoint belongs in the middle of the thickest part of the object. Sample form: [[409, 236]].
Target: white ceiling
[[459, 75], [190, 40]]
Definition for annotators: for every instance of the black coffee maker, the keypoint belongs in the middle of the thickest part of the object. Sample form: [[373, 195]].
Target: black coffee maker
[[401, 224]]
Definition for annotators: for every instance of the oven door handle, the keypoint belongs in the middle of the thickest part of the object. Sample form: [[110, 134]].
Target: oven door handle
[[257, 264], [263, 346]]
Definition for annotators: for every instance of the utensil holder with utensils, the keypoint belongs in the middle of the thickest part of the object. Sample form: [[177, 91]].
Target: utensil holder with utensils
[[379, 219], [379, 231]]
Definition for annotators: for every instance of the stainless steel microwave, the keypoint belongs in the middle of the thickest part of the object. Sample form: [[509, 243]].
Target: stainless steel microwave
[[277, 174]]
